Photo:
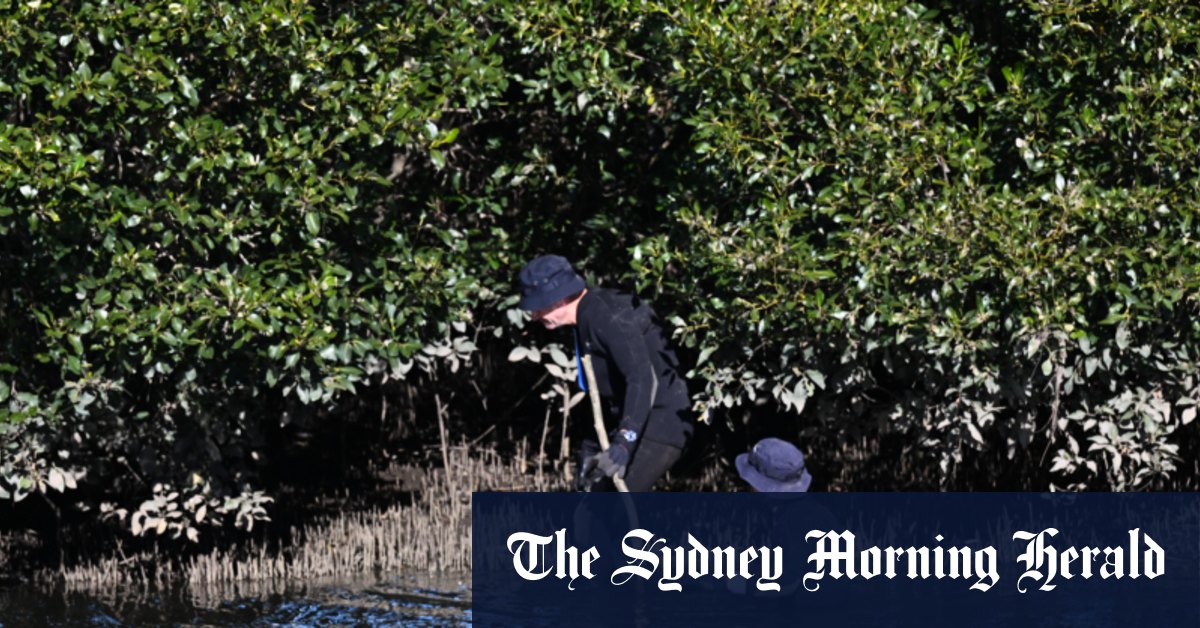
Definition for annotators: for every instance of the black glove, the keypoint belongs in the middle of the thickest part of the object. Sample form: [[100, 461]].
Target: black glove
[[583, 480], [611, 462]]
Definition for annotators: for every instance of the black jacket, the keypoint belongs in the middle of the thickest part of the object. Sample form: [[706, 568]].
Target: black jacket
[[636, 369]]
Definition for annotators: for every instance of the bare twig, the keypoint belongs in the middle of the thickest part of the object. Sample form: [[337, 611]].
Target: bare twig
[[441, 412]]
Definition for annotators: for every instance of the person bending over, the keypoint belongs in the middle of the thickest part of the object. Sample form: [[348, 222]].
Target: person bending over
[[637, 374]]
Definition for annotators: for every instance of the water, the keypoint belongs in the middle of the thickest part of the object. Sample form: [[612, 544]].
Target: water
[[386, 601]]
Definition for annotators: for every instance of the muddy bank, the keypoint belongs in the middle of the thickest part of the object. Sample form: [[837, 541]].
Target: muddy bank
[[426, 530], [416, 520], [384, 600], [403, 564]]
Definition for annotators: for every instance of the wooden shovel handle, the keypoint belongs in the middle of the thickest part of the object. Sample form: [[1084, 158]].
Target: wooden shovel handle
[[597, 416]]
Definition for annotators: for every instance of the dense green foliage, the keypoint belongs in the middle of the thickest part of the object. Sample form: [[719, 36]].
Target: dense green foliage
[[977, 228], [969, 228]]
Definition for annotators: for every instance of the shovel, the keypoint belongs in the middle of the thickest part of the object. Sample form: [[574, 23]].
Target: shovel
[[597, 417]]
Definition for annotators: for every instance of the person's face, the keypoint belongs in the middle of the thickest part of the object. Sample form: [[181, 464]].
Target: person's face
[[554, 316]]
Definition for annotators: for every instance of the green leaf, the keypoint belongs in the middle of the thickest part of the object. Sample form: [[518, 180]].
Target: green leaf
[[447, 138], [188, 90], [1122, 337]]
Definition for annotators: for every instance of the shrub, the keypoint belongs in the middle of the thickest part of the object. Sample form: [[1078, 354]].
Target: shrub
[[968, 228]]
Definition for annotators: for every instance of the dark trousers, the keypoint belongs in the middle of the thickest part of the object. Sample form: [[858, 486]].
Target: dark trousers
[[651, 460]]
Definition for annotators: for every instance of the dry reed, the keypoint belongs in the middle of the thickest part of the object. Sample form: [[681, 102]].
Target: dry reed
[[433, 534]]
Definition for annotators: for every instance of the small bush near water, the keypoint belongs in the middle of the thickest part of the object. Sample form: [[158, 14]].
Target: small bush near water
[[958, 238]]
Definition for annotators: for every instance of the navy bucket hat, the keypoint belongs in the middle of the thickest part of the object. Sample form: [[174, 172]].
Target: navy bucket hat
[[547, 280], [774, 466]]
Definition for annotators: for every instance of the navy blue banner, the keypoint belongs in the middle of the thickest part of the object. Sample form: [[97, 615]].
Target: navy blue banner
[[850, 559]]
